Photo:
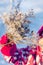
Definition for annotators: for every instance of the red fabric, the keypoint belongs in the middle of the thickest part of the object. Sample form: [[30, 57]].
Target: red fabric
[[6, 50], [3, 39], [38, 50], [33, 55]]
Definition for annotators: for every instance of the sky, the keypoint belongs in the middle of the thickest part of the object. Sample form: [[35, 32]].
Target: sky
[[37, 21]]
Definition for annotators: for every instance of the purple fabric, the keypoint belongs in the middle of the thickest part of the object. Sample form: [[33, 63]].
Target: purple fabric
[[40, 32]]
